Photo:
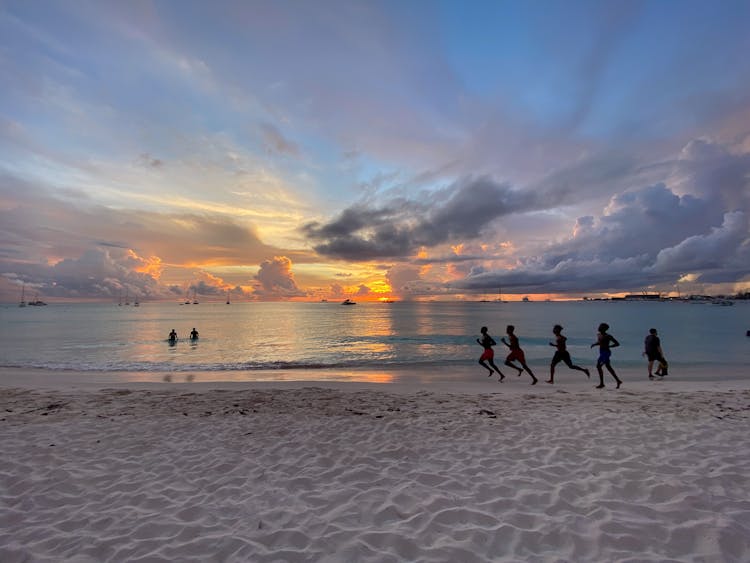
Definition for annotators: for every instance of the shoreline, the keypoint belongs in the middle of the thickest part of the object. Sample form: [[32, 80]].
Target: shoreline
[[469, 379]]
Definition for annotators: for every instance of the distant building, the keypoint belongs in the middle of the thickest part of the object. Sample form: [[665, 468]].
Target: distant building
[[643, 297]]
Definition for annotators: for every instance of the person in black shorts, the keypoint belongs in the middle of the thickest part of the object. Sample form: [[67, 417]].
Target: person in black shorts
[[561, 354]]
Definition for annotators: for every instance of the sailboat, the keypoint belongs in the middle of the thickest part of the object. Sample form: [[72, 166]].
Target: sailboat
[[135, 301], [228, 303], [127, 298], [23, 297], [195, 297], [500, 296]]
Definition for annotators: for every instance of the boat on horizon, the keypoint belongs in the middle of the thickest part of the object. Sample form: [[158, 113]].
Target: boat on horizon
[[37, 302], [348, 301], [23, 297]]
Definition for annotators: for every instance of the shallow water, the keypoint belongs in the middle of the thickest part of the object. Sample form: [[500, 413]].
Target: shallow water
[[310, 336]]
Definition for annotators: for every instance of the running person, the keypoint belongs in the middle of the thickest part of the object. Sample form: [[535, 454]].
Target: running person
[[516, 354], [487, 342], [561, 354], [605, 341]]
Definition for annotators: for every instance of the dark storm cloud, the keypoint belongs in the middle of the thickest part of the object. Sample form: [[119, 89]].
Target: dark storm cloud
[[651, 236], [461, 211], [639, 244], [711, 170], [636, 223]]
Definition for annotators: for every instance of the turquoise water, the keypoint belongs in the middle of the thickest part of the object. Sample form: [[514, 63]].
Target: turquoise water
[[310, 336]]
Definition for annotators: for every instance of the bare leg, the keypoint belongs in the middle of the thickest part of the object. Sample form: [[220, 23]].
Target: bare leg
[[601, 376], [519, 370], [650, 367], [551, 374], [485, 366], [531, 373], [612, 371], [497, 370], [579, 368]]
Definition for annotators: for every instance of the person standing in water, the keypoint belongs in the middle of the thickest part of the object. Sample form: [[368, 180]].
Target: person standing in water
[[652, 351], [605, 341], [516, 354], [562, 354], [487, 342], [173, 336], [194, 334]]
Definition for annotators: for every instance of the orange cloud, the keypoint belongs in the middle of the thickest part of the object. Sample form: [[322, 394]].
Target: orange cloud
[[152, 265]]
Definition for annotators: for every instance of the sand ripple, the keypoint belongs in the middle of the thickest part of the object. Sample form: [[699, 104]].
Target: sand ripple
[[326, 475]]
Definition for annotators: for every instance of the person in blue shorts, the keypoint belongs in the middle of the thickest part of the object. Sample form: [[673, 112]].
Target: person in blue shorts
[[605, 341]]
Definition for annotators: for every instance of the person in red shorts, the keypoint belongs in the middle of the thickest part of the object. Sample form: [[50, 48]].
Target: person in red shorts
[[516, 354], [487, 342]]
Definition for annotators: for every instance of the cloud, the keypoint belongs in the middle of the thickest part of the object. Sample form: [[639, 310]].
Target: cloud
[[41, 228], [398, 228], [634, 223], [643, 238], [363, 291], [726, 247], [148, 161], [276, 280], [400, 276], [711, 170], [276, 143], [694, 219], [96, 273], [336, 290]]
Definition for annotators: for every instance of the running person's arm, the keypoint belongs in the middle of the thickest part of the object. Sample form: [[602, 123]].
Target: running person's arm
[[614, 342]]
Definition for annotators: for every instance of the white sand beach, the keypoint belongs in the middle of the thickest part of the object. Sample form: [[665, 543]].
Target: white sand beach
[[365, 472]]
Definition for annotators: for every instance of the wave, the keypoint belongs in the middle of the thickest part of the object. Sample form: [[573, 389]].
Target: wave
[[238, 366]]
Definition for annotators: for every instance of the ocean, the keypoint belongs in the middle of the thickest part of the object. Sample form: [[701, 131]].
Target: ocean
[[304, 339]]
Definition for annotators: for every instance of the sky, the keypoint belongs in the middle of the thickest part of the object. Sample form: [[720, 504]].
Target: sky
[[292, 150]]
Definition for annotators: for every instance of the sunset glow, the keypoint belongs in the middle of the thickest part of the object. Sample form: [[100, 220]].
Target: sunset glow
[[373, 151]]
